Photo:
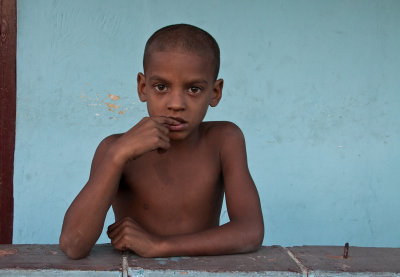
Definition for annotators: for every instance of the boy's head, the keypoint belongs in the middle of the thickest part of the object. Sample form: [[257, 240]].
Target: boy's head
[[185, 38], [181, 64]]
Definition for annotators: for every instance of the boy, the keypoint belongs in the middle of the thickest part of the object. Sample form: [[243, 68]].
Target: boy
[[165, 178]]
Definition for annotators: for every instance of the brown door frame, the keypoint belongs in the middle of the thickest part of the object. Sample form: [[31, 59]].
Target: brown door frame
[[8, 85]]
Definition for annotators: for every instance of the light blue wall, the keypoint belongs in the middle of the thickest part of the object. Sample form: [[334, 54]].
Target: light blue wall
[[314, 85]]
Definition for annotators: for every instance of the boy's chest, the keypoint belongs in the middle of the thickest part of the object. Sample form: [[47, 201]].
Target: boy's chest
[[195, 175], [170, 196]]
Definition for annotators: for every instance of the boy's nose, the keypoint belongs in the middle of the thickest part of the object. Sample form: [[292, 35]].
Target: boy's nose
[[176, 101]]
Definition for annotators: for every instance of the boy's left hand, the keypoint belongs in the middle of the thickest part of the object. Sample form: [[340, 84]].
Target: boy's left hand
[[128, 234]]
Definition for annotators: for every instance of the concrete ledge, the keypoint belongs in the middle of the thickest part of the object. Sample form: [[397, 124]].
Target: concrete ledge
[[268, 260], [36, 256], [49, 260], [325, 259]]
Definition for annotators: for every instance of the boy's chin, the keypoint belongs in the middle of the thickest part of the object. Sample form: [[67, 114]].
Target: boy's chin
[[180, 135], [177, 135]]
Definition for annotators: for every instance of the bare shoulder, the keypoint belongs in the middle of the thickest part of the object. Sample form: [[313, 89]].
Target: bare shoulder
[[108, 141], [223, 130], [102, 149], [229, 140]]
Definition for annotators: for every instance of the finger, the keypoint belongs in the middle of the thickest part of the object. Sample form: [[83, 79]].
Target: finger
[[114, 225], [164, 137], [111, 233], [111, 228], [163, 129], [125, 237], [166, 120], [119, 244], [163, 143], [125, 223], [117, 224], [128, 238], [117, 240], [159, 125]]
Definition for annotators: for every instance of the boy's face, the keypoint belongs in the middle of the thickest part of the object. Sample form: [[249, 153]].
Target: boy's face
[[181, 85]]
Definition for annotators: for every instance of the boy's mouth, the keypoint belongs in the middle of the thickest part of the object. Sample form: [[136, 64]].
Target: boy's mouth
[[178, 127]]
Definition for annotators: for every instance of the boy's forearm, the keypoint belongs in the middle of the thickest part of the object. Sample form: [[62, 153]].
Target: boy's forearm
[[230, 238], [85, 217]]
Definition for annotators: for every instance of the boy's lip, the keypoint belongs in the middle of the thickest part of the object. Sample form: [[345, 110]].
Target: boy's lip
[[182, 125], [181, 120]]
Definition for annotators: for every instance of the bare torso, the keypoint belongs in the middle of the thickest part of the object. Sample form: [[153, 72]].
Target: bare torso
[[176, 192]]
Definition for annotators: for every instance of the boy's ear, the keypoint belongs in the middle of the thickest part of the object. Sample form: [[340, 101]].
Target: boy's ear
[[141, 84], [217, 92]]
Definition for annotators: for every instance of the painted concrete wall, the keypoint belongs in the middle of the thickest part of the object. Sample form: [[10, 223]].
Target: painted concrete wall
[[314, 85]]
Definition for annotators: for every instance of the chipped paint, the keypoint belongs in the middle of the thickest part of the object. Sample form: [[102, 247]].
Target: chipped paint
[[113, 97], [8, 251], [112, 106], [164, 261], [95, 102]]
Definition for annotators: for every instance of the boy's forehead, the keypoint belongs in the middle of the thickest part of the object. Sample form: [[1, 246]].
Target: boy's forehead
[[178, 51], [179, 58]]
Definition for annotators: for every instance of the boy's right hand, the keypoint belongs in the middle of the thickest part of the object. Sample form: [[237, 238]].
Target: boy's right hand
[[149, 134]]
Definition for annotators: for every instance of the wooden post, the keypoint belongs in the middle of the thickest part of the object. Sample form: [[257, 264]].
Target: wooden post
[[8, 47]]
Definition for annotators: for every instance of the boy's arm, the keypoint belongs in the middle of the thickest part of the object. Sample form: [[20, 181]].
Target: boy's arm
[[244, 232], [84, 220]]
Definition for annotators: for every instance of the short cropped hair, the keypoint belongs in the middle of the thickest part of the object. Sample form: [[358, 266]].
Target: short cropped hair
[[183, 37]]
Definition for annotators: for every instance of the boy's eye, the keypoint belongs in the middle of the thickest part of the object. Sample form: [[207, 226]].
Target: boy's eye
[[194, 90], [160, 87]]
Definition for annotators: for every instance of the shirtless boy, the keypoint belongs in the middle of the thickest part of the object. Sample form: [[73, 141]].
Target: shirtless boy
[[165, 178]]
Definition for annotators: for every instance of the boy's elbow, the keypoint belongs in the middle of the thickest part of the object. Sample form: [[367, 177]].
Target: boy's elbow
[[255, 238], [72, 250]]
